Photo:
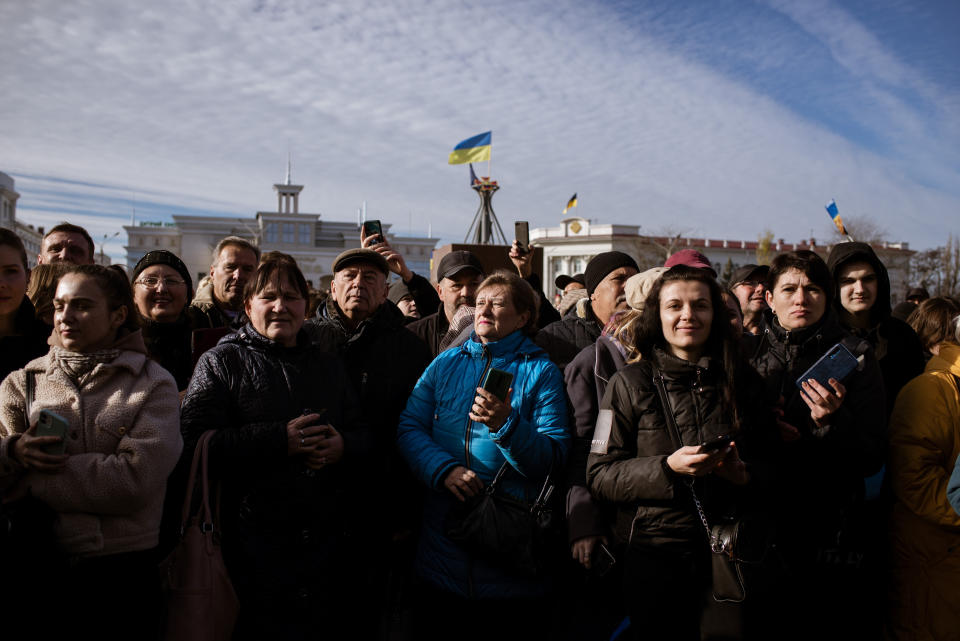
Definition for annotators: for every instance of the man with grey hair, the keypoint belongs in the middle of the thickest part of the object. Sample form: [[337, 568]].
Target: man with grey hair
[[220, 302]]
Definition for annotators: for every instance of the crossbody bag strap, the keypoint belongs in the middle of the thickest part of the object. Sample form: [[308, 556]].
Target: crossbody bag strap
[[675, 436], [31, 387], [546, 490]]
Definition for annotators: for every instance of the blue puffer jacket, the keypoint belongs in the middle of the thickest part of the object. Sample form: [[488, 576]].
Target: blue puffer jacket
[[435, 435]]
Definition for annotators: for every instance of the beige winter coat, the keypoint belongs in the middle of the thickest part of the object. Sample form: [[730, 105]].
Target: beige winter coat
[[123, 442]]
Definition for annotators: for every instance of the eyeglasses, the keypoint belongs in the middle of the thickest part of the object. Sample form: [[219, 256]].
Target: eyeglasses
[[152, 282]]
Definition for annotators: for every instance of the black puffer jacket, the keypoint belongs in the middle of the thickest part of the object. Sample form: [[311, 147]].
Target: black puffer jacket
[[821, 474], [563, 339], [895, 344], [29, 342], [283, 524], [628, 461]]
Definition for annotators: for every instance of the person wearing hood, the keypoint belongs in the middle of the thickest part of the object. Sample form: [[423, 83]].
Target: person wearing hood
[[863, 307], [105, 476], [833, 438], [162, 290], [605, 278], [23, 337]]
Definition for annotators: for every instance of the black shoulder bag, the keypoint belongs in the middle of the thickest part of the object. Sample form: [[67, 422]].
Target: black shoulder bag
[[728, 540], [506, 531]]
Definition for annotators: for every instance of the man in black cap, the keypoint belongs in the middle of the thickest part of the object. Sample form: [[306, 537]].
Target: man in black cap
[[458, 276], [383, 360], [401, 296], [748, 284], [604, 277]]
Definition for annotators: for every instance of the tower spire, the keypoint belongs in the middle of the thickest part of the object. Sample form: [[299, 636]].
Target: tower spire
[[288, 181]]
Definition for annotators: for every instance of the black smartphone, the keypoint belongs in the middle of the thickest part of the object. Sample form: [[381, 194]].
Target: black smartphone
[[497, 382], [521, 231], [837, 363], [52, 424], [714, 444], [373, 228], [602, 561]]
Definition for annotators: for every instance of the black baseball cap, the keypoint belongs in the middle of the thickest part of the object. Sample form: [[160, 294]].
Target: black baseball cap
[[456, 262], [744, 272], [563, 280]]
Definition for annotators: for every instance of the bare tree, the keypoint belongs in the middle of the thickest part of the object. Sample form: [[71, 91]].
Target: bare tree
[[938, 269], [861, 228]]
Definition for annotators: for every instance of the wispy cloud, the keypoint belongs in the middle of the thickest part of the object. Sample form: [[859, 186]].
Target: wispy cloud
[[653, 115]]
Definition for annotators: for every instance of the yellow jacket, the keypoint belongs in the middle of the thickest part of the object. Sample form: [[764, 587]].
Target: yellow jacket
[[925, 530]]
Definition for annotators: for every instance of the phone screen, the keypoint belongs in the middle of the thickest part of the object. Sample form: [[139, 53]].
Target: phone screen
[[373, 228], [497, 382]]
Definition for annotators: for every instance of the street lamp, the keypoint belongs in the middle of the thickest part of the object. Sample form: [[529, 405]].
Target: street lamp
[[106, 237]]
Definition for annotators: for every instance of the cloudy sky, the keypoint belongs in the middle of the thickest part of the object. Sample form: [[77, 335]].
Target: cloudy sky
[[717, 118]]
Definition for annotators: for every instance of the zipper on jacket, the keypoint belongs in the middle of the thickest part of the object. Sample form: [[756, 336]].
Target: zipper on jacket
[[466, 436]]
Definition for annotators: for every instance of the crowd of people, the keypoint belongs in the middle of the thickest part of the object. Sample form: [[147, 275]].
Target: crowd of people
[[355, 437]]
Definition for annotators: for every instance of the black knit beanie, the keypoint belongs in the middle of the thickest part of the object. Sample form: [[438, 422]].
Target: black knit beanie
[[602, 264]]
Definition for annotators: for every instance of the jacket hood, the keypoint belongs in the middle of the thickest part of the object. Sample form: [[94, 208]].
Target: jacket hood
[[947, 360], [204, 295], [845, 253]]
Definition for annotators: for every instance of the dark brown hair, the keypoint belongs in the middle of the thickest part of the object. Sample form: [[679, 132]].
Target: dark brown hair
[[932, 320], [271, 270], [807, 262], [115, 287], [10, 239], [70, 228], [522, 296]]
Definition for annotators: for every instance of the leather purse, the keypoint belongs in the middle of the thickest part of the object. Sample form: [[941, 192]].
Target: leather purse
[[733, 542], [201, 602], [503, 530]]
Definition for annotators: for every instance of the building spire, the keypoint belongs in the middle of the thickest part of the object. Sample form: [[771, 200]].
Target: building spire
[[288, 182]]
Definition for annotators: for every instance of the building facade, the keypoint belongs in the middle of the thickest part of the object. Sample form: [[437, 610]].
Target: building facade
[[568, 247], [8, 218], [312, 241]]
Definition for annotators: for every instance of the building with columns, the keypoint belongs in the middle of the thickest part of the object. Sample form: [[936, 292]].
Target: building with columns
[[568, 247], [313, 241], [8, 218]]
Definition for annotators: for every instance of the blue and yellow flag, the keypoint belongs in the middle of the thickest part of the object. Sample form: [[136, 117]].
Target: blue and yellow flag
[[570, 204], [472, 149], [835, 215]]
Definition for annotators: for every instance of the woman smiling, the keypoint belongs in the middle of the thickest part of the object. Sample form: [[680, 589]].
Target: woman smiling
[[648, 457]]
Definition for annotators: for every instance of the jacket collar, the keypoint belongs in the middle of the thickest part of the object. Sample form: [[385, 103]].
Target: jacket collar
[[515, 343], [947, 360], [250, 337], [386, 316]]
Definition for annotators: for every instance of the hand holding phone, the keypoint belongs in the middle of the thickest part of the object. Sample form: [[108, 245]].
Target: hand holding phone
[[521, 232], [372, 228], [491, 405], [52, 424], [716, 443]]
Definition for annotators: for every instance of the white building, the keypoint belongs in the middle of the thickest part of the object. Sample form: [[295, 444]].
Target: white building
[[8, 218], [312, 241], [568, 247]]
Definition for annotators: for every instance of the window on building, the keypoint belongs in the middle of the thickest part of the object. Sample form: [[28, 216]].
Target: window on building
[[271, 232], [289, 231], [305, 236]]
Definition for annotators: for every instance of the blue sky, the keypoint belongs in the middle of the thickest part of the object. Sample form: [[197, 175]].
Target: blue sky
[[717, 119]]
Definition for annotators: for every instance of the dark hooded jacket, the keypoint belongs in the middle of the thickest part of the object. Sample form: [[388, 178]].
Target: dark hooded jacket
[[895, 344], [562, 340], [29, 342], [170, 345]]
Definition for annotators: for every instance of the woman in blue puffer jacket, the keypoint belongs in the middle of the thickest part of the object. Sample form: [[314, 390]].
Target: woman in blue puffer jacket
[[455, 436]]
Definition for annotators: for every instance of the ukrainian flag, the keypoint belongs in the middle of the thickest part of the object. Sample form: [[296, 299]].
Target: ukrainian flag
[[472, 149], [571, 204], [835, 215]]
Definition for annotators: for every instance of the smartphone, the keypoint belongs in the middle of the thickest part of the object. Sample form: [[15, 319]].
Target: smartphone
[[521, 231], [52, 424], [715, 444], [373, 228], [837, 363], [497, 382], [603, 560]]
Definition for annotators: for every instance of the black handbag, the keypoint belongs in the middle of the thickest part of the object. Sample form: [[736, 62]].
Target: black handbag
[[734, 542], [503, 530]]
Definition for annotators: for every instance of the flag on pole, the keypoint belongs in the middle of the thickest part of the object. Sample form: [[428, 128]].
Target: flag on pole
[[835, 215], [472, 149], [570, 204], [473, 176]]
